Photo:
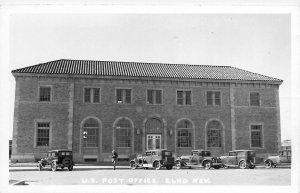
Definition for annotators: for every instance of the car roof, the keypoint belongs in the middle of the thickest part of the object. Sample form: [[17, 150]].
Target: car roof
[[200, 150], [240, 150], [57, 150], [158, 150]]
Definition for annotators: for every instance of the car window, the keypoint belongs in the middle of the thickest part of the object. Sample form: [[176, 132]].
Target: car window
[[68, 153], [153, 153], [53, 154], [251, 153], [281, 153], [206, 153], [168, 153], [148, 153], [241, 153], [62, 153], [232, 153]]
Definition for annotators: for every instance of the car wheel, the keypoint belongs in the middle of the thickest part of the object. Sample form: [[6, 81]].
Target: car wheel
[[40, 167], [133, 165], [169, 167], [53, 166], [252, 166], [207, 164], [178, 165], [70, 168], [268, 164], [243, 165], [157, 165], [62, 167], [216, 167]]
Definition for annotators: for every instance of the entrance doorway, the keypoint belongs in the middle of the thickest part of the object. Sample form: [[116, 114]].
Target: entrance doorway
[[153, 141]]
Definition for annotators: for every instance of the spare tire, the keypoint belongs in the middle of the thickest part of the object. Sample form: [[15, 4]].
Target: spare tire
[[66, 161]]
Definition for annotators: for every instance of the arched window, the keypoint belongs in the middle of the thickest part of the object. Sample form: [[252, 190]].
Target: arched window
[[214, 137], [184, 134], [123, 133], [91, 127]]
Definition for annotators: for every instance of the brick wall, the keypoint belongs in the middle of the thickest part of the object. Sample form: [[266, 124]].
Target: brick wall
[[65, 114]]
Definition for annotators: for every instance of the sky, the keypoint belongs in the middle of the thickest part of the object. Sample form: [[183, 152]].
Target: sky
[[259, 43]]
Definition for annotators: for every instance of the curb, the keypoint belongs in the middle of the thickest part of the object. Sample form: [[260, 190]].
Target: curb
[[18, 183], [17, 169]]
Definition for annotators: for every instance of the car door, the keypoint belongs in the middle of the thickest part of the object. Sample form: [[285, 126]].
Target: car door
[[232, 158]]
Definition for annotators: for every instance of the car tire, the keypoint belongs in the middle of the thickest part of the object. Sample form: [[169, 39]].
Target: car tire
[[216, 167], [53, 166], [133, 165], [252, 166], [62, 167], [157, 165], [268, 164], [70, 167], [40, 167], [207, 164], [169, 167], [243, 164], [178, 165]]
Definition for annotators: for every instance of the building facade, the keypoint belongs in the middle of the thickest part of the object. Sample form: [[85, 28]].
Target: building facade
[[92, 107]]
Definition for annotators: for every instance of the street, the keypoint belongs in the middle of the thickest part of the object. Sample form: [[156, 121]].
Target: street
[[231, 176]]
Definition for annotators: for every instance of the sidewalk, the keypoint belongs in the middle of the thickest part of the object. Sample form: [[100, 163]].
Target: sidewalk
[[79, 166]]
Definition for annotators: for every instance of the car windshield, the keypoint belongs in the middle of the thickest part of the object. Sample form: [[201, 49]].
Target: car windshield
[[168, 153], [206, 153], [251, 153]]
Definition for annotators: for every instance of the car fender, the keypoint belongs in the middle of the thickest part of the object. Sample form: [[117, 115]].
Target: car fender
[[155, 161], [204, 160]]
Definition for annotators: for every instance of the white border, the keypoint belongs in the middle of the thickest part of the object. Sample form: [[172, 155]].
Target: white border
[[291, 7]]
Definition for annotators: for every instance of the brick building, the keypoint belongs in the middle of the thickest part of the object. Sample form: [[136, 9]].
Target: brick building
[[131, 107]]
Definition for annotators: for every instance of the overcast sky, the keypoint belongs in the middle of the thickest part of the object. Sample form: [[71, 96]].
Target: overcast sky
[[259, 43]]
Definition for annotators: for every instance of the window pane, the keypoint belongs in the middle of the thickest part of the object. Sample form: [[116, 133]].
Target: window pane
[[209, 98], [256, 136], [184, 138], [217, 98], [150, 96], [128, 96], [158, 97], [45, 93], [87, 95], [119, 96], [96, 95], [43, 134], [188, 99], [254, 99], [214, 138], [180, 97]]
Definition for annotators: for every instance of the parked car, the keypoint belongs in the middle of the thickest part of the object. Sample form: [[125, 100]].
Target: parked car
[[157, 159], [200, 158], [241, 158], [283, 158], [60, 158]]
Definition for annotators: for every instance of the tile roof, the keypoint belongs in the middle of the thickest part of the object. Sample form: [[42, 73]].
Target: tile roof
[[136, 69]]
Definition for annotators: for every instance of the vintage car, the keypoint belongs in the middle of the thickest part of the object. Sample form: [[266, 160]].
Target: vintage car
[[284, 158], [241, 158], [198, 158], [60, 158], [157, 159]]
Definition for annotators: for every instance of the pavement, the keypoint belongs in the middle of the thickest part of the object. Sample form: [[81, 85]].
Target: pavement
[[79, 166]]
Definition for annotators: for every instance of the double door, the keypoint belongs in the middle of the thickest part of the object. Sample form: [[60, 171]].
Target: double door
[[153, 141]]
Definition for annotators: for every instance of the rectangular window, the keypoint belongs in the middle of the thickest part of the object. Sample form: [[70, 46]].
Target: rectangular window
[[184, 138], [154, 96], [213, 98], [45, 94], [91, 137], [254, 99], [184, 97], [123, 96], [256, 136], [92, 95], [123, 137], [43, 134]]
